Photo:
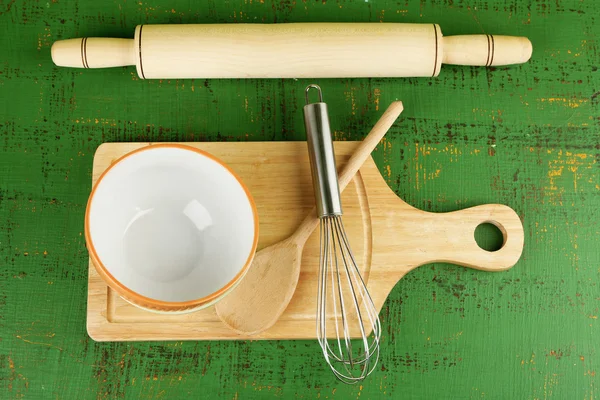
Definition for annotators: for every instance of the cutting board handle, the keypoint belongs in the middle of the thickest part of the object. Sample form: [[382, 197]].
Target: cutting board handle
[[451, 237]]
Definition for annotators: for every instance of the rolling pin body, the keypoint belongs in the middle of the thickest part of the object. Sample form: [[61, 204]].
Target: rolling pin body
[[296, 50]]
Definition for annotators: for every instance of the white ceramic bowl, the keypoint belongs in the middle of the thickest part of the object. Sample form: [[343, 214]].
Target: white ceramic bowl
[[171, 228]]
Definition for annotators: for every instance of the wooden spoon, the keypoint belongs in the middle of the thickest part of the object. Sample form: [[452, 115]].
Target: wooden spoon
[[266, 290]]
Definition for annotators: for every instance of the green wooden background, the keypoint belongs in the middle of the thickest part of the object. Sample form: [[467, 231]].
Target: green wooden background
[[527, 136]]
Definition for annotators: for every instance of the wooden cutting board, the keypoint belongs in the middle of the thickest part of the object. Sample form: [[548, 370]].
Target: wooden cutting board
[[388, 236]]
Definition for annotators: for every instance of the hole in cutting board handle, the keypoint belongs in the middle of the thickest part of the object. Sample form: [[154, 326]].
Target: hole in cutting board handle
[[489, 237]]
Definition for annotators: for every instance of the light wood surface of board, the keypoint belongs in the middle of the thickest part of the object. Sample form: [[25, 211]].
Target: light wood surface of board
[[388, 236], [291, 50]]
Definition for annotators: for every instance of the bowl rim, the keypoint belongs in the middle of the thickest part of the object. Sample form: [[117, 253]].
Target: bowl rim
[[149, 302]]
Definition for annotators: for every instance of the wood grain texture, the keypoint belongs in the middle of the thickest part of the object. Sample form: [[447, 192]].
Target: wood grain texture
[[389, 236], [306, 50], [525, 136]]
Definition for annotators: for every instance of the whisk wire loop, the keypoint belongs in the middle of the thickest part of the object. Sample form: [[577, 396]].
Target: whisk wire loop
[[345, 308]]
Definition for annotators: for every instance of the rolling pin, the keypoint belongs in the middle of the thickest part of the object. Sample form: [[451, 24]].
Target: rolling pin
[[294, 50]]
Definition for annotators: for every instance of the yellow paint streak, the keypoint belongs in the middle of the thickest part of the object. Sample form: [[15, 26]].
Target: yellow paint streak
[[574, 171], [349, 95], [102, 121], [569, 102], [39, 343], [417, 166], [572, 161], [376, 96], [555, 172], [550, 381]]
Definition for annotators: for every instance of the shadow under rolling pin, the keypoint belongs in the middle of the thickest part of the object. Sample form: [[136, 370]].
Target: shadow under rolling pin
[[295, 50]]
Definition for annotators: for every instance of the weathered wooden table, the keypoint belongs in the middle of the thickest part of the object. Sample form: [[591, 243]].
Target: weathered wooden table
[[527, 136]]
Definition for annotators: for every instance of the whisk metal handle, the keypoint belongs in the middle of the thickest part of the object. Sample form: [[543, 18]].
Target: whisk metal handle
[[322, 157]]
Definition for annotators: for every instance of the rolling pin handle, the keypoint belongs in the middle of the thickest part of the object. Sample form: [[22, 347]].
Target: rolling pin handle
[[94, 53], [485, 50]]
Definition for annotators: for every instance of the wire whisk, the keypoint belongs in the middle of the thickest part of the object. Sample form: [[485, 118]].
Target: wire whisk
[[345, 309], [350, 311]]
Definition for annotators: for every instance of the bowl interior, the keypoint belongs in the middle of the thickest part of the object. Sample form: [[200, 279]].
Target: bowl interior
[[171, 224]]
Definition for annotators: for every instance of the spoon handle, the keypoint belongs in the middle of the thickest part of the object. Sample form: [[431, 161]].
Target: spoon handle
[[369, 143]]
